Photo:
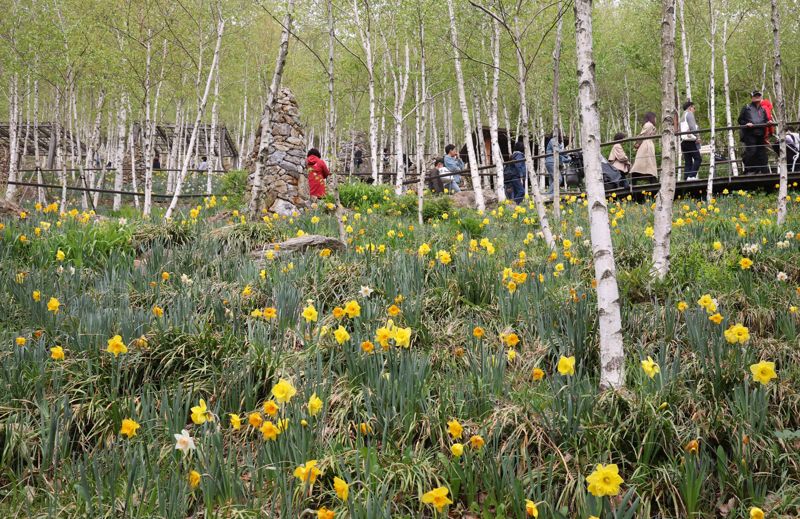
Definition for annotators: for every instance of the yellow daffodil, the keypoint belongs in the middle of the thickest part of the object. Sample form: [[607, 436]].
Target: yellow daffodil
[[352, 309], [457, 449], [129, 427], [476, 442], [341, 487], [437, 497], [236, 421], [650, 367], [763, 372], [308, 473], [314, 405], [566, 365], [116, 346], [310, 313], [283, 391], [531, 509], [270, 408], [455, 429], [57, 353], [737, 334], [341, 335], [269, 431], [255, 420], [53, 305], [201, 414], [604, 481], [194, 478]]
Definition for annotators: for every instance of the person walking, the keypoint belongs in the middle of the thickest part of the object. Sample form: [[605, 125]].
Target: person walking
[[690, 142], [645, 161], [752, 118], [555, 143], [515, 173], [618, 158], [317, 173], [455, 165]]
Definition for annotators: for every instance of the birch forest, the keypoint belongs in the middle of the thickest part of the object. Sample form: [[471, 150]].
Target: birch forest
[[418, 259]]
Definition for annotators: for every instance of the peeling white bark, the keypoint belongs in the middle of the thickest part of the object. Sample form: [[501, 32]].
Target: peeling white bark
[[612, 354], [780, 112], [662, 218], [462, 98]]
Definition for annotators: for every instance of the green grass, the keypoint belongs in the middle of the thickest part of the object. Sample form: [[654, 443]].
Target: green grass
[[62, 454]]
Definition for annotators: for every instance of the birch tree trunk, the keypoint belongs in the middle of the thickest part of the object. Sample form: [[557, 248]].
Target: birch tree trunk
[[93, 147], [480, 148], [119, 158], [780, 110], [366, 42], [627, 120], [266, 116], [419, 119], [497, 154], [727, 89], [200, 109], [612, 353], [662, 220], [507, 122], [60, 149], [13, 137], [332, 122], [150, 131], [556, 122], [422, 101], [132, 147], [685, 50], [462, 98], [712, 112], [40, 195], [538, 200], [213, 155], [400, 90]]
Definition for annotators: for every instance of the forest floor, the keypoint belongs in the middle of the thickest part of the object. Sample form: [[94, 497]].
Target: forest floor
[[455, 361]]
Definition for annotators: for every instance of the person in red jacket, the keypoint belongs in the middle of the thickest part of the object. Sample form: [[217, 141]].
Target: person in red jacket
[[317, 173], [769, 131]]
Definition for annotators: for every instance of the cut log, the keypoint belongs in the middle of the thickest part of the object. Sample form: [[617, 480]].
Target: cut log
[[301, 244], [9, 208]]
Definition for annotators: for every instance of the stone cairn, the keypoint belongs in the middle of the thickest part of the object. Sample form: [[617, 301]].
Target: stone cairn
[[284, 181]]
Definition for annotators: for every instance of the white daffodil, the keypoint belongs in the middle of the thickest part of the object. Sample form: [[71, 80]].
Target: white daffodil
[[184, 442]]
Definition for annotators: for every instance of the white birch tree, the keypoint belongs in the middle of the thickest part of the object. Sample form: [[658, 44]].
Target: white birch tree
[[712, 89], [686, 51], [365, 34], [462, 98], [780, 112], [662, 217], [201, 105], [726, 86], [497, 154], [266, 116], [119, 158], [612, 353]]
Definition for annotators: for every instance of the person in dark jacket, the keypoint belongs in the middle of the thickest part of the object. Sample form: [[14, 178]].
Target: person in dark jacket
[[752, 136], [317, 173], [435, 183], [515, 173]]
